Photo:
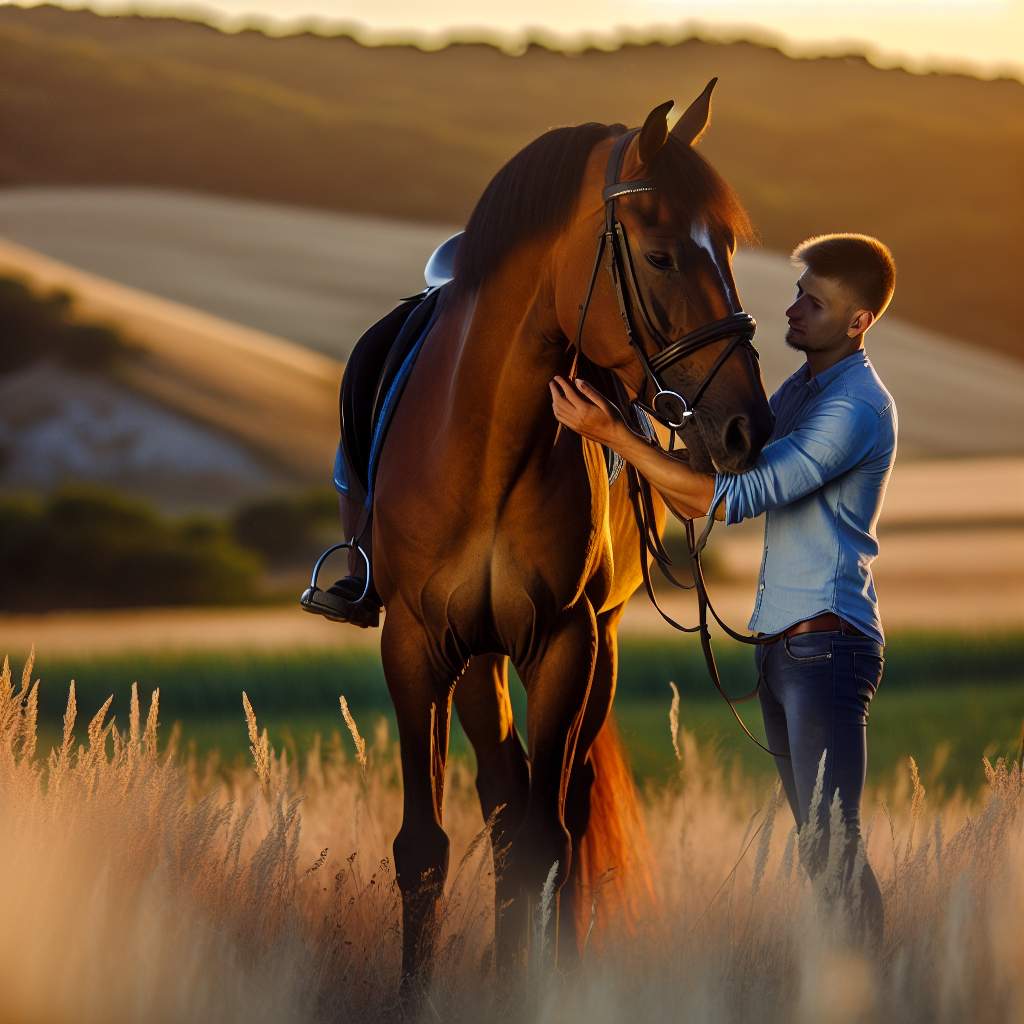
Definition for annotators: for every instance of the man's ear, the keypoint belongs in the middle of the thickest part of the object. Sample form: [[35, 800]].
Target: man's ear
[[694, 122], [861, 321]]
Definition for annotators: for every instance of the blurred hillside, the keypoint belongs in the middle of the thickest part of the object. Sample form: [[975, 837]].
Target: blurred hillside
[[932, 164], [267, 299], [68, 411], [204, 412]]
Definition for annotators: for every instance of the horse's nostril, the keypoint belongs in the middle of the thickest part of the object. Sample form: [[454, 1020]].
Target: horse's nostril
[[737, 436]]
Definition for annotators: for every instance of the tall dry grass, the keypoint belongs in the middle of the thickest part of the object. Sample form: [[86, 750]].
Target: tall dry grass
[[140, 884]]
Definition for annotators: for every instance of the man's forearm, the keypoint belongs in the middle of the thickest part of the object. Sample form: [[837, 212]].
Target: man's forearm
[[685, 490]]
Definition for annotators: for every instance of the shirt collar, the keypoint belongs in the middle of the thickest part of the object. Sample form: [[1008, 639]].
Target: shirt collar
[[820, 381]]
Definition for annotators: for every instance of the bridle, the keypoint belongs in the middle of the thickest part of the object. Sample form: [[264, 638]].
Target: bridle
[[667, 405]]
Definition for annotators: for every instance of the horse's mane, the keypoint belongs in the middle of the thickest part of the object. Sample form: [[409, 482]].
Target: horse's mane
[[535, 193]]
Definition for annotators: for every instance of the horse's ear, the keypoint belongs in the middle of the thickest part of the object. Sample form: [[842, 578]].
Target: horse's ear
[[694, 122], [654, 132]]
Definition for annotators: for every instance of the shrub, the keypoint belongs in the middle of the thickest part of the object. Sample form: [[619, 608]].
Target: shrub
[[36, 326], [287, 529], [90, 548]]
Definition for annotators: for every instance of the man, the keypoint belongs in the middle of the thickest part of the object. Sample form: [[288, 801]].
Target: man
[[820, 480]]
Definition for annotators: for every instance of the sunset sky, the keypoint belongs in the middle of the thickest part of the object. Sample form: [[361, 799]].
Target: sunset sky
[[985, 37]]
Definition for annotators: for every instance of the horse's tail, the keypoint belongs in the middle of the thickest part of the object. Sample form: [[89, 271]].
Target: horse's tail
[[613, 870]]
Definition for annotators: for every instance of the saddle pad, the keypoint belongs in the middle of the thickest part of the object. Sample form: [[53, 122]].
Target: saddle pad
[[374, 377]]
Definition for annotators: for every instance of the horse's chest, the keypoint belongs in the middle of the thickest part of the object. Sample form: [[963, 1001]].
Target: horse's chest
[[545, 556], [487, 561], [504, 593]]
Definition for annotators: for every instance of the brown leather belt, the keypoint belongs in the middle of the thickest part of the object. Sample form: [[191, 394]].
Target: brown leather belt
[[821, 623]]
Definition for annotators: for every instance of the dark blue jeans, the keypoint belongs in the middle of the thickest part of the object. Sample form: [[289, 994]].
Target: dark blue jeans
[[815, 691]]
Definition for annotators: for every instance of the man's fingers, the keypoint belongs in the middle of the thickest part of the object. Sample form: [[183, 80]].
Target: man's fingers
[[580, 407], [572, 391], [559, 406], [558, 400], [592, 394], [569, 393]]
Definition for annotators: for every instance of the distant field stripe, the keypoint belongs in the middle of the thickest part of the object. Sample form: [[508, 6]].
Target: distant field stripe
[[205, 683]]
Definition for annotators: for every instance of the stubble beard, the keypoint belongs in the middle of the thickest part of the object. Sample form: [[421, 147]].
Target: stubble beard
[[798, 342], [802, 343]]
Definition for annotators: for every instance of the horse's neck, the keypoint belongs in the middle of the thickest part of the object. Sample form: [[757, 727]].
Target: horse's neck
[[499, 350]]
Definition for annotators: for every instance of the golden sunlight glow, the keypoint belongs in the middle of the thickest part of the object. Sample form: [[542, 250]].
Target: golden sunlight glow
[[982, 37]]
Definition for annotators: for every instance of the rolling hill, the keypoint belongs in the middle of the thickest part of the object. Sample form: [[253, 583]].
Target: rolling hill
[[206, 412], [212, 287]]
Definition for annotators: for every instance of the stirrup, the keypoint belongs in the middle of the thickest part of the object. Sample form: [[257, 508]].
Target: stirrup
[[332, 604]]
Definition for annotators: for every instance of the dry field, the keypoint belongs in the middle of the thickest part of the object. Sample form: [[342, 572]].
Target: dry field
[[145, 886]]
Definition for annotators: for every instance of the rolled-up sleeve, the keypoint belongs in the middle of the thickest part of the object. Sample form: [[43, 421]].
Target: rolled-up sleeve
[[834, 438]]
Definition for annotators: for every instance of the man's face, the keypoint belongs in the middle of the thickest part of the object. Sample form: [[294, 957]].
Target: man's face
[[822, 316]]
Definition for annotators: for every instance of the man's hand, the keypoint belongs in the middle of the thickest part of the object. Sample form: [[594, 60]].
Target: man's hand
[[584, 409]]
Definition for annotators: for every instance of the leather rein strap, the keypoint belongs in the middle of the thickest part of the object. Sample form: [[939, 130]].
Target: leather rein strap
[[670, 408], [643, 511]]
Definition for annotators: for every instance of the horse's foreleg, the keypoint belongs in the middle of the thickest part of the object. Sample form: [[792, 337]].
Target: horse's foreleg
[[557, 675], [420, 684], [503, 773], [581, 781]]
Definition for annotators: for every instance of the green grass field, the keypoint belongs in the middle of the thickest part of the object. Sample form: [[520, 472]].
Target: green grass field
[[945, 700]]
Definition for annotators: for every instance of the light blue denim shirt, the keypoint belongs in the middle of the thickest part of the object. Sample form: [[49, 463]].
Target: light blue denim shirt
[[820, 479]]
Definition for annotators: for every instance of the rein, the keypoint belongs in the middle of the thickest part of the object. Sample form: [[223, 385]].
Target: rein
[[670, 408]]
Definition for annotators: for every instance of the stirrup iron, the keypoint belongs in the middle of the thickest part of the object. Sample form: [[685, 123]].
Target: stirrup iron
[[309, 597]]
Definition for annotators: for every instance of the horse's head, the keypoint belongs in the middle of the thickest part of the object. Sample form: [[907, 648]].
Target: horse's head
[[675, 273]]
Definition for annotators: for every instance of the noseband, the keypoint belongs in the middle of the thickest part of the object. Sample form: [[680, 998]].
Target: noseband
[[668, 405]]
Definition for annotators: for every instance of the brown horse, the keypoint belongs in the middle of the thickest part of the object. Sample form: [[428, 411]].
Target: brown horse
[[497, 536]]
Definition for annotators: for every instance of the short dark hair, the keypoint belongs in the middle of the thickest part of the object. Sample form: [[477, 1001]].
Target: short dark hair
[[860, 261]]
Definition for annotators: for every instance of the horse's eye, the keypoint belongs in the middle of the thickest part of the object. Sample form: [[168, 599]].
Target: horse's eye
[[661, 260]]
